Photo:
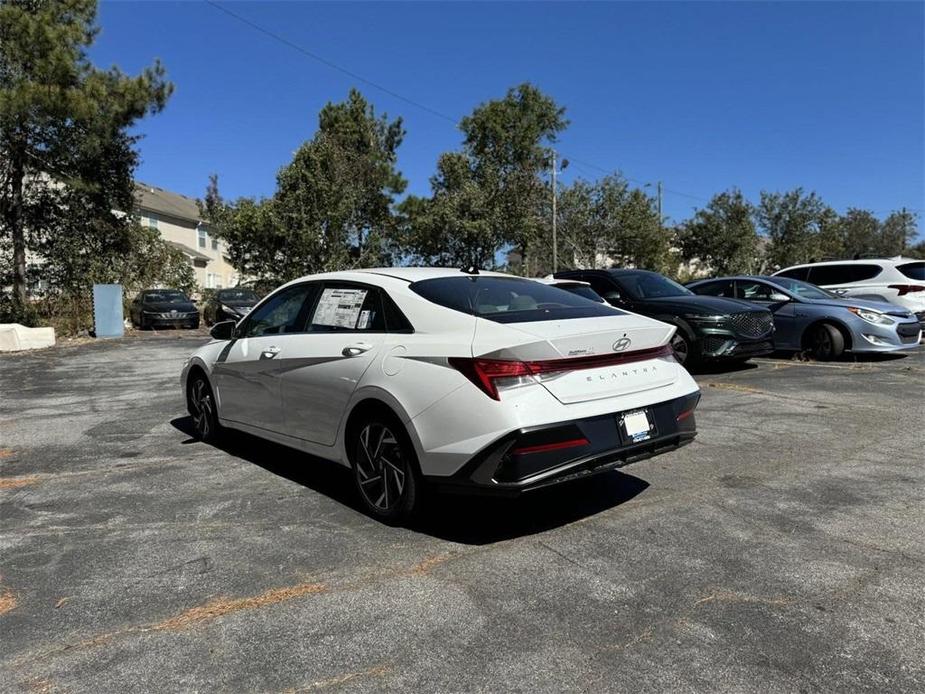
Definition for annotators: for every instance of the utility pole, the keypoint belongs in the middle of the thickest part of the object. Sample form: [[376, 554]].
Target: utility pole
[[555, 240], [660, 205]]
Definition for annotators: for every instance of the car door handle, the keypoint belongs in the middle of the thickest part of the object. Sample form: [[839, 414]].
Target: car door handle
[[356, 349], [270, 352]]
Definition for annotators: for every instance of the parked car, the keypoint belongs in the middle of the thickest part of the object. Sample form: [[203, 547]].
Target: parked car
[[812, 319], [576, 287], [478, 381], [229, 304], [172, 308], [708, 328], [900, 281]]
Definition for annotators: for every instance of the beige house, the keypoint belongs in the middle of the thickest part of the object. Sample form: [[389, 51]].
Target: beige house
[[176, 217]]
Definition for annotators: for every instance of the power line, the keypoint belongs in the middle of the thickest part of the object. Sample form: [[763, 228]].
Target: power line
[[330, 64]]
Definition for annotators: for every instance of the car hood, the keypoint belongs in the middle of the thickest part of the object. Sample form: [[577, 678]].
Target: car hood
[[703, 305], [239, 303], [882, 306], [167, 307]]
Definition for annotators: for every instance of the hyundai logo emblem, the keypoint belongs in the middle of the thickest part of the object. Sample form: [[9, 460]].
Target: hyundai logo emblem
[[622, 344]]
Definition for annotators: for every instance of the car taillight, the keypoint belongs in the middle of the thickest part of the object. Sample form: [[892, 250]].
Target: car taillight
[[488, 373], [904, 289]]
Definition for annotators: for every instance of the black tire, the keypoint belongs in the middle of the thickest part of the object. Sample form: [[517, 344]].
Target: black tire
[[142, 325], [202, 408], [683, 348], [826, 342], [385, 467]]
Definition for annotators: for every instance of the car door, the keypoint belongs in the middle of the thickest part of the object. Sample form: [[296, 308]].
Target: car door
[[246, 374], [346, 334], [784, 310]]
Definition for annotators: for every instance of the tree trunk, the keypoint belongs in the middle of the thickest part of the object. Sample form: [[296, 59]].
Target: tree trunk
[[14, 222]]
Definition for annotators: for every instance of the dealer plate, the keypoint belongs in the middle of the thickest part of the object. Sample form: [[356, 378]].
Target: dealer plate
[[636, 426]]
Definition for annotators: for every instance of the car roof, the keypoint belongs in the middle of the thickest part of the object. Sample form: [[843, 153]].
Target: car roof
[[555, 281], [895, 260], [406, 274]]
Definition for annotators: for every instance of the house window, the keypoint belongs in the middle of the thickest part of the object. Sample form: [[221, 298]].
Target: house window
[[214, 244], [202, 238], [150, 220]]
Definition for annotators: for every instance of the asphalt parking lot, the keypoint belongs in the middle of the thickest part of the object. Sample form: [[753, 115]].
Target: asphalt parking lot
[[782, 551]]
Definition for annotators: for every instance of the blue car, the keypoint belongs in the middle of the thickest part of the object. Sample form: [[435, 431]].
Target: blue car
[[808, 318]]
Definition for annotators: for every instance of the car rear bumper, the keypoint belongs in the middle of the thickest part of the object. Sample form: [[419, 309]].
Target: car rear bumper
[[535, 457]]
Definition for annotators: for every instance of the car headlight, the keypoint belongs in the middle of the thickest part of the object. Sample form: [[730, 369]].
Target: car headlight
[[871, 316]]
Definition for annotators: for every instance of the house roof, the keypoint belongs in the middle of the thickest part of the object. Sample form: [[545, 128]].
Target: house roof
[[191, 252], [166, 202]]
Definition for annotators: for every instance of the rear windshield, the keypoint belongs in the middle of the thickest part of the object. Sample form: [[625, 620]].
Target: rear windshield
[[583, 290], [508, 299], [914, 271], [165, 296]]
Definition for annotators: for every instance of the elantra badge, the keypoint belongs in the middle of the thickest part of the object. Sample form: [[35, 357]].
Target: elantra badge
[[622, 344]]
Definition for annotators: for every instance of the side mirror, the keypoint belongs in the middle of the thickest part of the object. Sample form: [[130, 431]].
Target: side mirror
[[613, 297], [223, 330], [778, 296]]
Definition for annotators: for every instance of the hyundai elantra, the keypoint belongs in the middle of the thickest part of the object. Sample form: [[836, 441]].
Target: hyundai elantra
[[433, 377]]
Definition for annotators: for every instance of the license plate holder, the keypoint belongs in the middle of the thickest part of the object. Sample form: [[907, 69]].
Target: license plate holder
[[636, 425]]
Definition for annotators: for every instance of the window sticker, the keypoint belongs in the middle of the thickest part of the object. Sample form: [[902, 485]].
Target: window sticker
[[339, 308], [364, 321]]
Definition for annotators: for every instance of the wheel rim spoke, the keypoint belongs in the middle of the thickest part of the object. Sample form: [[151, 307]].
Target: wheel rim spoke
[[380, 472]]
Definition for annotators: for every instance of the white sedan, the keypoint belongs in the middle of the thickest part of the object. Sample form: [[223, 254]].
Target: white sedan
[[460, 379]]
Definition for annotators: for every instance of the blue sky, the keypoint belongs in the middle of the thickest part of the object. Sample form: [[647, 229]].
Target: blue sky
[[703, 96]]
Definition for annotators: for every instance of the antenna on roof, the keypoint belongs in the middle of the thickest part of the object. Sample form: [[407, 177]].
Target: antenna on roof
[[470, 270]]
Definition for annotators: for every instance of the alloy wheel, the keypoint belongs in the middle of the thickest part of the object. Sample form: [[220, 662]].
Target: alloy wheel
[[822, 342], [203, 408], [680, 347], [380, 467]]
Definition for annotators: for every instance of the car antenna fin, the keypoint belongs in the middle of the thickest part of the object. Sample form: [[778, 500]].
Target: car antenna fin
[[470, 270]]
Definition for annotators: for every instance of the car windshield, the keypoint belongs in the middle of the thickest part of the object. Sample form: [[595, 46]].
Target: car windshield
[[508, 299], [237, 295], [804, 290], [642, 284], [914, 271], [165, 296]]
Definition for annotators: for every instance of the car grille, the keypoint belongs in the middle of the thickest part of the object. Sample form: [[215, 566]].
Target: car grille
[[752, 324], [908, 330]]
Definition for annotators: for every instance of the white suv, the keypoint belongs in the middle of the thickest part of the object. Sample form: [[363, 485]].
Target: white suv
[[900, 281]]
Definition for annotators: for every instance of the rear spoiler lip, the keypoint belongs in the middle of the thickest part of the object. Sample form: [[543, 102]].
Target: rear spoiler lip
[[539, 366]]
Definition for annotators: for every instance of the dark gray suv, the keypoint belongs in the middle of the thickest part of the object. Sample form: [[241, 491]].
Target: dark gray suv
[[709, 328]]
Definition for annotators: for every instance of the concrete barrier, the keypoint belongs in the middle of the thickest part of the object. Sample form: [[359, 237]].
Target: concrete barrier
[[15, 337]]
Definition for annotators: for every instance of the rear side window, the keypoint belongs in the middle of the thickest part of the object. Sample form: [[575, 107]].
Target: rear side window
[[842, 274], [797, 273], [721, 288], [508, 299], [914, 271]]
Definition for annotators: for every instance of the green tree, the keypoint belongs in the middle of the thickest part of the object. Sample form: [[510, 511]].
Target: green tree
[[487, 196], [609, 223], [792, 222], [67, 155], [332, 208], [722, 236], [897, 233]]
